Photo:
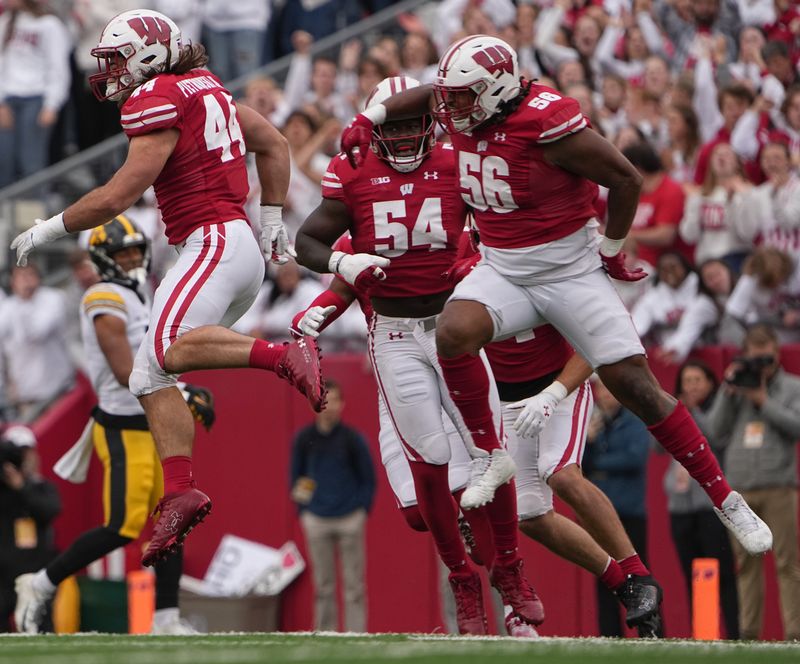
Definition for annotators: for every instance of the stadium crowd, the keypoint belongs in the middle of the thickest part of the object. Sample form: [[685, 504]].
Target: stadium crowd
[[701, 96]]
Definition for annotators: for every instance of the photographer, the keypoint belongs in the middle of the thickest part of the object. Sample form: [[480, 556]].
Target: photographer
[[28, 505], [757, 412]]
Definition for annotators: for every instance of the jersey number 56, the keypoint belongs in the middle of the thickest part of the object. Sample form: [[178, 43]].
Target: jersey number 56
[[480, 175]]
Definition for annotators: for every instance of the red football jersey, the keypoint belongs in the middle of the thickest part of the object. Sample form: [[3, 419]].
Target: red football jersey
[[205, 179], [515, 361], [518, 198], [415, 219]]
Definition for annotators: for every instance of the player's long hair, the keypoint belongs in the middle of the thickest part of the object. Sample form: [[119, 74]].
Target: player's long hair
[[193, 56], [508, 107]]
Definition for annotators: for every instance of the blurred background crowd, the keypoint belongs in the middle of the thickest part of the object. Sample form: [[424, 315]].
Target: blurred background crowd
[[702, 96]]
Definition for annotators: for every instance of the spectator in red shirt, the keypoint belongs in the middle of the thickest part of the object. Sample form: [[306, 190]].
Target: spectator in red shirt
[[655, 226], [733, 101]]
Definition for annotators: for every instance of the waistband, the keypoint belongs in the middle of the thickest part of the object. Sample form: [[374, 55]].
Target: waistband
[[427, 324], [109, 421]]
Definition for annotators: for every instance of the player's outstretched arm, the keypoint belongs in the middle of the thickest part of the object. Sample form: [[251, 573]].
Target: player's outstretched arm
[[112, 337], [147, 155], [588, 154], [406, 104]]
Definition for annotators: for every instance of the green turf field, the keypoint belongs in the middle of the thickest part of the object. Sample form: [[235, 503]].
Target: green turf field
[[416, 649]]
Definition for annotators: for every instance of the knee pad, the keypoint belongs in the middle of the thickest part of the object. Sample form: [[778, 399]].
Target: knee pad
[[434, 448], [147, 376]]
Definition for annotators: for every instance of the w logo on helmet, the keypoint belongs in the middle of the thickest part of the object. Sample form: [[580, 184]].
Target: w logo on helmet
[[496, 59], [152, 29]]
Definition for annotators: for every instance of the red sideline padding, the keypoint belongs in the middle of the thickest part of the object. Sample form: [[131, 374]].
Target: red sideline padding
[[243, 466]]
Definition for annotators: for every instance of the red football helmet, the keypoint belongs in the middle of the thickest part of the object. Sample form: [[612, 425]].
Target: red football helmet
[[404, 144], [476, 74]]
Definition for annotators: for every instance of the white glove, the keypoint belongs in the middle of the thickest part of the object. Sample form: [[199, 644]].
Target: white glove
[[313, 319], [274, 239], [537, 410], [43, 231], [358, 267]]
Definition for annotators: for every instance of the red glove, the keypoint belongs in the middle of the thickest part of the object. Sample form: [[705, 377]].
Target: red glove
[[367, 280], [461, 269], [357, 134], [615, 267]]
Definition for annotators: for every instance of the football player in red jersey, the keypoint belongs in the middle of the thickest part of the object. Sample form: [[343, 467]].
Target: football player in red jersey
[[529, 166], [547, 450], [188, 139], [404, 207]]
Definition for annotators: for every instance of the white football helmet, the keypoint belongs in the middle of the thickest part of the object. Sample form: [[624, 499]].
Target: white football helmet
[[132, 46], [403, 144], [476, 74]]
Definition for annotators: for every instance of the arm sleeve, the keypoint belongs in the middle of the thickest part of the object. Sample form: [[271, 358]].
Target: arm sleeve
[[699, 315], [744, 137], [642, 313], [722, 415], [58, 75], [690, 224], [98, 301], [651, 32], [546, 28], [42, 501], [563, 117], [604, 51], [705, 100], [746, 211], [298, 80], [48, 318], [785, 417], [788, 213], [740, 302]]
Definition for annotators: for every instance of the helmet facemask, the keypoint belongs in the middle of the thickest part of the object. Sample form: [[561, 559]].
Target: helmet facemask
[[113, 77], [453, 109], [404, 144]]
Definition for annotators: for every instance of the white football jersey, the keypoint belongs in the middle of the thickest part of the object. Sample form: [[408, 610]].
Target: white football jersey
[[114, 300]]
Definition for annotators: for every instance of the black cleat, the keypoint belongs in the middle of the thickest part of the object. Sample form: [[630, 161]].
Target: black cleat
[[641, 596]]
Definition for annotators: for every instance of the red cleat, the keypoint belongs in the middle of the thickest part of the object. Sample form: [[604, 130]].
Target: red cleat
[[516, 591], [179, 512], [300, 366], [470, 614]]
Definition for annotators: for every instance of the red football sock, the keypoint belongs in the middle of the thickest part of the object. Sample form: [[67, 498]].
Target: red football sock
[[266, 355], [502, 513], [177, 473], [633, 565], [613, 576], [439, 510], [468, 384], [681, 437], [478, 521], [414, 518]]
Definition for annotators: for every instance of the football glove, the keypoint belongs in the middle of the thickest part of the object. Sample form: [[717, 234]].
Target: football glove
[[360, 270], [311, 321], [274, 239], [616, 269], [537, 410], [43, 231], [461, 269], [201, 403], [356, 138]]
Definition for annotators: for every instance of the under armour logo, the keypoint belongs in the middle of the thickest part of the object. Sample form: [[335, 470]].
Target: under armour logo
[[406, 189], [499, 136], [482, 145], [546, 411], [173, 522], [393, 335], [431, 175]]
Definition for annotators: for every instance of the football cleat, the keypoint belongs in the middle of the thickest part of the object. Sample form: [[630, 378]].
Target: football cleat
[[177, 627], [641, 596], [486, 473], [517, 592], [753, 534], [518, 628], [470, 614], [31, 605], [178, 514], [300, 366]]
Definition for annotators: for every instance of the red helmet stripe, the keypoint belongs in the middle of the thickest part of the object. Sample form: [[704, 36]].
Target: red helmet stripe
[[402, 80], [392, 85]]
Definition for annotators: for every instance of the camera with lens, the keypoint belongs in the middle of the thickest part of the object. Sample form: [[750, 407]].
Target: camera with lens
[[750, 369], [10, 453]]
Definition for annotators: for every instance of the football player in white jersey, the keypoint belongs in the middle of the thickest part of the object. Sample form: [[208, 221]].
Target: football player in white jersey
[[114, 316]]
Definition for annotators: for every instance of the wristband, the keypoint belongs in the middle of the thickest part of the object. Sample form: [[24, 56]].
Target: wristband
[[375, 114], [610, 248], [54, 227], [271, 215], [557, 390], [335, 260]]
